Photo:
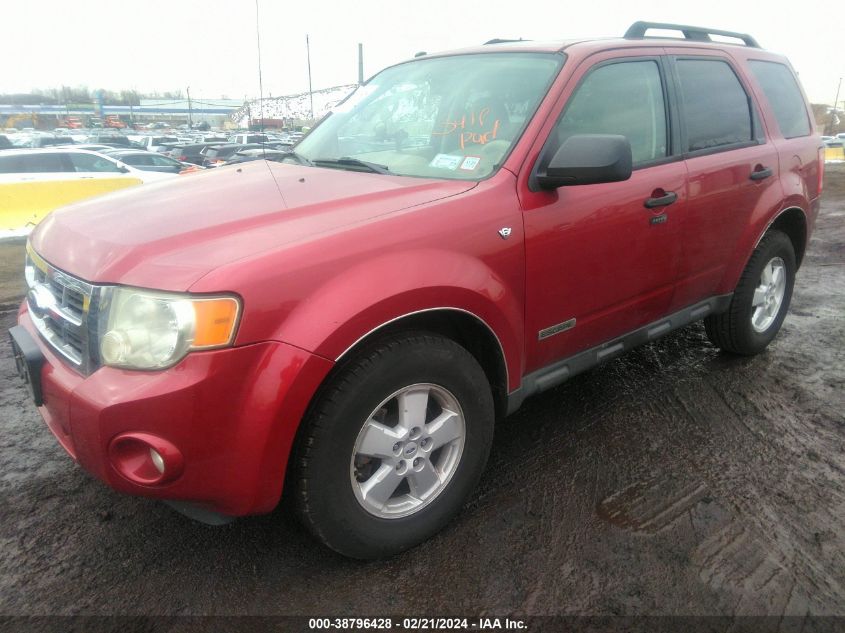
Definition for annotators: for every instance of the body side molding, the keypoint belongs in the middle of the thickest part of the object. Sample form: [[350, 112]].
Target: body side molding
[[560, 371]]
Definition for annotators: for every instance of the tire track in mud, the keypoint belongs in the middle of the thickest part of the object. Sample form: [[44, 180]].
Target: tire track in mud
[[650, 506], [774, 572]]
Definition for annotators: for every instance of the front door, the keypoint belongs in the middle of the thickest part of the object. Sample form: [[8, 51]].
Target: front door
[[600, 262]]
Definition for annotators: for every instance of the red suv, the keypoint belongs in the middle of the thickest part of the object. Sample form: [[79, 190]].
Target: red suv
[[465, 230]]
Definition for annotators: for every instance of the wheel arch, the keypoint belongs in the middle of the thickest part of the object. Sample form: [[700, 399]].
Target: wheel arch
[[442, 290], [791, 220], [463, 326], [460, 325]]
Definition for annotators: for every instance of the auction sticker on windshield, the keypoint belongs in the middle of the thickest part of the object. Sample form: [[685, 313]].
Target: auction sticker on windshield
[[446, 161], [470, 163]]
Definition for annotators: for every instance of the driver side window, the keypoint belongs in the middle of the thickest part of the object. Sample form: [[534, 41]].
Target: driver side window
[[620, 98]]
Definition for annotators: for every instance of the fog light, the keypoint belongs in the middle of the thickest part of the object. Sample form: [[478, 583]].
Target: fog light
[[158, 460], [145, 459]]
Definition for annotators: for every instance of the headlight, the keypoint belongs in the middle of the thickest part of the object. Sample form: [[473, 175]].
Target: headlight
[[149, 330]]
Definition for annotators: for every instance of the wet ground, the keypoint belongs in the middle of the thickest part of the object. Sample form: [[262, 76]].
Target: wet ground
[[675, 480]]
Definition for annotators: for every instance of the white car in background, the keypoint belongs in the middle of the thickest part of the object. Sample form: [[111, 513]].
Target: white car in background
[[154, 143], [34, 182]]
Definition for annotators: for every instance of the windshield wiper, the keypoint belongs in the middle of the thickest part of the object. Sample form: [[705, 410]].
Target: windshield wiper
[[299, 158], [347, 161]]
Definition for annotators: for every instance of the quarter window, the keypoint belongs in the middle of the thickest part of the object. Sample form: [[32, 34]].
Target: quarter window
[[622, 98], [784, 96], [716, 109]]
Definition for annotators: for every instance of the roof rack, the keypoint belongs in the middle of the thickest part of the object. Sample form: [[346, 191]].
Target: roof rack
[[501, 41], [696, 33]]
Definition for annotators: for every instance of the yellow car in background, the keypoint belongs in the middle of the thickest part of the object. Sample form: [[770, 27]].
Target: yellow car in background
[[34, 182]]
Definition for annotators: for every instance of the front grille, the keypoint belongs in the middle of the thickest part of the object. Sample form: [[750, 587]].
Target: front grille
[[62, 308]]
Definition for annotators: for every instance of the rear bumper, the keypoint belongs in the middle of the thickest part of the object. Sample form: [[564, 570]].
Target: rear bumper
[[231, 415]]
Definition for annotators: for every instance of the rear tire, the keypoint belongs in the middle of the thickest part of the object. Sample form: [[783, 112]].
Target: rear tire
[[394, 444], [760, 301]]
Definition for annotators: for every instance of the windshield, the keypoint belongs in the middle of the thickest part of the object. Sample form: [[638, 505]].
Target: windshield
[[449, 117]]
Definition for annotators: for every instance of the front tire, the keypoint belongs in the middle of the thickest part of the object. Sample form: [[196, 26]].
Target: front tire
[[760, 301], [395, 442]]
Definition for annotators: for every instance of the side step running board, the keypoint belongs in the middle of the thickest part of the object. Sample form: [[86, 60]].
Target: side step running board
[[559, 372]]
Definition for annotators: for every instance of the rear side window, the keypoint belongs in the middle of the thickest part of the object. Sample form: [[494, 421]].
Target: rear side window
[[161, 161], [137, 159], [10, 165], [90, 162], [784, 96], [716, 109], [46, 163], [621, 98]]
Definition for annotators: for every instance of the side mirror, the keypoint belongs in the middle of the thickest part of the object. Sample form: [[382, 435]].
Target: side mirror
[[123, 169], [588, 159]]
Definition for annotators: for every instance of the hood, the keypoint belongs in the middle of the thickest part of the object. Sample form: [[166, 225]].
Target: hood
[[167, 235]]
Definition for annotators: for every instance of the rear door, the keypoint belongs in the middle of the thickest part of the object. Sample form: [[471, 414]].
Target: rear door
[[732, 167], [792, 126]]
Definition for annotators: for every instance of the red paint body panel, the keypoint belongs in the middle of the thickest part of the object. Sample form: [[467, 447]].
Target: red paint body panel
[[322, 257], [325, 304], [169, 237], [232, 413], [723, 203]]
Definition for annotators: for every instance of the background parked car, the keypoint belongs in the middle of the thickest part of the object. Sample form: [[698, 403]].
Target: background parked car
[[111, 140], [34, 182], [157, 143], [244, 139], [249, 155], [190, 153], [149, 161], [216, 155], [42, 140]]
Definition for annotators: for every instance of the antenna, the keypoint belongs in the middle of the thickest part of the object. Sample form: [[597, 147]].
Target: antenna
[[310, 91], [260, 82]]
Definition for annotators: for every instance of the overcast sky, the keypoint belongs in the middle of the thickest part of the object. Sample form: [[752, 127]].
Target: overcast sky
[[209, 45]]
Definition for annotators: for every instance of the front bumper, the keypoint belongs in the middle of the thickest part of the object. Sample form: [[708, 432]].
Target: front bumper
[[231, 413]]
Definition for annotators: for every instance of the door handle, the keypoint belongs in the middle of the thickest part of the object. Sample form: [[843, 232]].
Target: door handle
[[667, 198], [761, 173]]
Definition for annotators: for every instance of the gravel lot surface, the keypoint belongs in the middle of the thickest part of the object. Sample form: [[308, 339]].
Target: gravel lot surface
[[675, 480]]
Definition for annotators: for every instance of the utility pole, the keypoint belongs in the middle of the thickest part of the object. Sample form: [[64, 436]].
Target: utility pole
[[833, 116], [190, 110], [310, 91], [360, 64]]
